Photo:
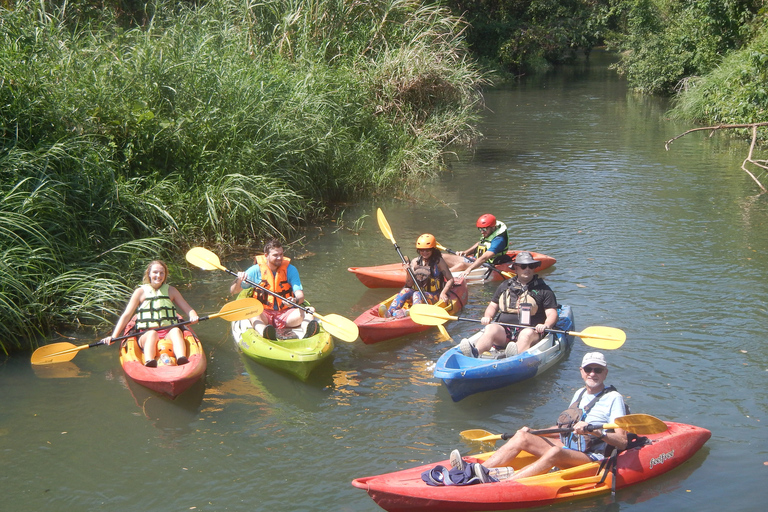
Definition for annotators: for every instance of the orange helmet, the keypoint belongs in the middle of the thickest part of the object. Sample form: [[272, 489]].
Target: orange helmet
[[426, 241], [486, 221]]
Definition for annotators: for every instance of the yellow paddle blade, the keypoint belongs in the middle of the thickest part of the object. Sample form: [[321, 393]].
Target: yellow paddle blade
[[642, 424], [606, 338], [56, 353], [443, 333], [428, 314], [239, 310], [203, 258], [384, 225], [478, 434], [339, 327]]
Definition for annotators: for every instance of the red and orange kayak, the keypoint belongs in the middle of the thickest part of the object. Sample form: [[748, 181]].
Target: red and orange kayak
[[171, 380], [392, 275], [403, 491], [374, 328]]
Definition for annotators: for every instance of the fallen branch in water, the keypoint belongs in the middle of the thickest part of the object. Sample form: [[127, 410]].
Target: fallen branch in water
[[763, 164]]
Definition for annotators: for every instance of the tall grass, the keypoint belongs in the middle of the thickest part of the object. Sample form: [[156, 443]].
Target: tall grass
[[219, 123]]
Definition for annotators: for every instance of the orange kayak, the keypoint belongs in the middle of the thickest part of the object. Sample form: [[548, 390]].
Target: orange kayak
[[392, 275], [404, 490], [171, 380], [374, 328]]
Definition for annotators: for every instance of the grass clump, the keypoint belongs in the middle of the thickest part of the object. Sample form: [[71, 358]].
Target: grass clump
[[128, 135]]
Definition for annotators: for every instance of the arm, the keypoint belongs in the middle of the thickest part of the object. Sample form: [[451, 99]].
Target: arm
[[446, 273], [550, 322], [471, 250], [490, 312], [177, 299], [479, 261], [136, 298]]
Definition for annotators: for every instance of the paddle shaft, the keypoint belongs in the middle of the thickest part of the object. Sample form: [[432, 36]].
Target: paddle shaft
[[384, 225], [487, 265], [521, 326]]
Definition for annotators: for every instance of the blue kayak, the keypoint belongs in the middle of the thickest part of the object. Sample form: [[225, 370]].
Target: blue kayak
[[464, 376]]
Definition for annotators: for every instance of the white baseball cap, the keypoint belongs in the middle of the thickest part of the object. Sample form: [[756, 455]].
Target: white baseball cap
[[594, 358]]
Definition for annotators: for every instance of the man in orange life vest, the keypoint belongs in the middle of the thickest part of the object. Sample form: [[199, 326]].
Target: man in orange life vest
[[273, 271]]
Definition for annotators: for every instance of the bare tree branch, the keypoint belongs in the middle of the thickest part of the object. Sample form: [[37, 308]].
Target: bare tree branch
[[763, 164]]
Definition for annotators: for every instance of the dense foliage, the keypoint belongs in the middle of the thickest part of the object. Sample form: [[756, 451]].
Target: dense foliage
[[523, 36], [125, 133]]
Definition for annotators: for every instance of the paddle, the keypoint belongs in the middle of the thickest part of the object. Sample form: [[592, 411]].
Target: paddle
[[63, 351], [641, 424], [336, 325], [610, 338], [507, 275], [384, 226]]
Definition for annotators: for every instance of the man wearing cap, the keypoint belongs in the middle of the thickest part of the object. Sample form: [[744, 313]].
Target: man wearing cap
[[492, 247], [524, 300], [597, 405]]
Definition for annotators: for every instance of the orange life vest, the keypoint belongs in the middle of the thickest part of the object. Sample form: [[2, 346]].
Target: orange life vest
[[277, 282]]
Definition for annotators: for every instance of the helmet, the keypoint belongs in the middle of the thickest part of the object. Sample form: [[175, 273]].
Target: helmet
[[426, 241], [486, 221]]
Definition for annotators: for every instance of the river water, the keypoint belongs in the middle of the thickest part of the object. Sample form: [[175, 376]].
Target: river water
[[669, 246]]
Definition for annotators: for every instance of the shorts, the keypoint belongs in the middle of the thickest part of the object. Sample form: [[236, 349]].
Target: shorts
[[595, 456], [278, 317]]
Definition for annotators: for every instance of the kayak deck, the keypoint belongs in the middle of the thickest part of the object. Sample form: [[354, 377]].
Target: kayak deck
[[296, 355], [392, 275], [463, 375], [404, 490]]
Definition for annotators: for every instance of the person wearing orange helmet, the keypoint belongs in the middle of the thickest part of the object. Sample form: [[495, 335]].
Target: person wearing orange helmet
[[491, 248], [432, 274]]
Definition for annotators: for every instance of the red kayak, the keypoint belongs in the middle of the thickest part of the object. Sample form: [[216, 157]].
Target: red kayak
[[374, 328], [172, 380], [392, 275], [406, 491]]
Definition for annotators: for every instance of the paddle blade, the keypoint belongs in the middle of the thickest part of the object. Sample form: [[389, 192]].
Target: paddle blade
[[384, 225], [641, 424], [479, 435], [240, 310], [606, 338], [428, 314], [203, 258], [444, 336], [56, 353], [339, 327]]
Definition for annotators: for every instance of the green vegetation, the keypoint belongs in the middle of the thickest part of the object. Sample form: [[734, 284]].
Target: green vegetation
[[127, 135]]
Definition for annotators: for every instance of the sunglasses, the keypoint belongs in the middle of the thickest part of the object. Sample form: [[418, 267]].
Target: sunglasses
[[526, 265], [597, 370]]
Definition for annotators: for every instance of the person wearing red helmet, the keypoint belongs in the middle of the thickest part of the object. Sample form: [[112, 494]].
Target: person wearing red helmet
[[491, 248], [432, 274]]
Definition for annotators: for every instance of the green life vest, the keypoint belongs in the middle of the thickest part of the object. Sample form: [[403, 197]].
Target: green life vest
[[157, 309], [485, 243]]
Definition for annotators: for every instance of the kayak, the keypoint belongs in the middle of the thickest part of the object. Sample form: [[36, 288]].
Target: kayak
[[464, 375], [392, 275], [374, 328], [405, 490], [171, 380], [294, 355]]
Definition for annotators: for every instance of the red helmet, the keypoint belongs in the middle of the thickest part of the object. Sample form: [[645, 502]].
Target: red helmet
[[426, 241], [486, 221]]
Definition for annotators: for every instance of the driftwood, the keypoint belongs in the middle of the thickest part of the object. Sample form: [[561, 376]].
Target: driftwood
[[762, 164]]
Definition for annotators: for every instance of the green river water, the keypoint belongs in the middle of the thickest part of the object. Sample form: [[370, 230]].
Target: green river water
[[669, 246]]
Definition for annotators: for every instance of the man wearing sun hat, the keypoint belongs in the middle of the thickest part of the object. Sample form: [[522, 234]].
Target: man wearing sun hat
[[524, 300], [594, 404]]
